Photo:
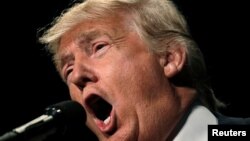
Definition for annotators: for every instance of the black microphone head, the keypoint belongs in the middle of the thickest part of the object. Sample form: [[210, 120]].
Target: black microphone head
[[64, 121], [72, 118], [67, 111]]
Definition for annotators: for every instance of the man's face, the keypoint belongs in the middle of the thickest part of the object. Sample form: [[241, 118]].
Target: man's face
[[122, 86]]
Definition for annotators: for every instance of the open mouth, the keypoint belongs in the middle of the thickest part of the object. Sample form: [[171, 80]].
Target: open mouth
[[102, 111]]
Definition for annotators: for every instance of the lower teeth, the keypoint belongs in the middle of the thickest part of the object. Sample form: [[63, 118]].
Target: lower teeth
[[107, 120]]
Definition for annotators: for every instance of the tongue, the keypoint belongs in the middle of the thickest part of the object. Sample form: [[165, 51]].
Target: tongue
[[103, 124]]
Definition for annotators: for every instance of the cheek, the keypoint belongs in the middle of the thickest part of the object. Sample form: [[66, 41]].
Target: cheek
[[135, 79]]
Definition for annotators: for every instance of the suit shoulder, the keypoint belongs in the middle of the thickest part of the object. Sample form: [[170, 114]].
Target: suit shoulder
[[222, 119]]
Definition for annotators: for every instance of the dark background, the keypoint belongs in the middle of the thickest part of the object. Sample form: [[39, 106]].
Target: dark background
[[29, 81]]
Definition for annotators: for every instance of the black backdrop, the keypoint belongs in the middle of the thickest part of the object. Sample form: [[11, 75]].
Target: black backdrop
[[29, 82]]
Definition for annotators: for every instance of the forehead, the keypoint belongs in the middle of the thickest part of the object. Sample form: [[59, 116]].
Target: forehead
[[90, 28]]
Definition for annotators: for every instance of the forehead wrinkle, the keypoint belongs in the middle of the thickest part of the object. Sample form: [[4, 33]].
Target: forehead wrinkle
[[89, 36]]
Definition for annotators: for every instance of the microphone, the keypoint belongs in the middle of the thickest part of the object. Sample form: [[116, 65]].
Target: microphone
[[56, 122]]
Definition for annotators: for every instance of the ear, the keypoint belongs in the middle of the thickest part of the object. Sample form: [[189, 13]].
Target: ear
[[173, 60]]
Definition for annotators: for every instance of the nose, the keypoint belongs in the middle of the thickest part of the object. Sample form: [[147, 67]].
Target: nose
[[82, 74]]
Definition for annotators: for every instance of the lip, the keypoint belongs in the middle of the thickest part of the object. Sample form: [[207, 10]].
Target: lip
[[107, 128]]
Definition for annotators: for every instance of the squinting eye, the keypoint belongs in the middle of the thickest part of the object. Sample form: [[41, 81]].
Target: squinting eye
[[67, 73], [100, 48]]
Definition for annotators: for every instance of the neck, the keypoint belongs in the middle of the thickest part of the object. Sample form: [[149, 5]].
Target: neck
[[187, 97]]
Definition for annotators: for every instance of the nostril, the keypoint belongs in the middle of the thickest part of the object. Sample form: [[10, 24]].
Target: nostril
[[86, 80], [83, 82], [81, 77]]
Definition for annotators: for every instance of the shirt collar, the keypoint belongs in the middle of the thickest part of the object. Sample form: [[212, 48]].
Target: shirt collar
[[195, 126]]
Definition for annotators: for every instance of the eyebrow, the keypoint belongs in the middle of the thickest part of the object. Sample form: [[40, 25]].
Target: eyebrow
[[89, 36], [83, 38]]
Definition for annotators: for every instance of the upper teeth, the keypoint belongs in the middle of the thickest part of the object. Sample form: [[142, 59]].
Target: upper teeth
[[107, 120]]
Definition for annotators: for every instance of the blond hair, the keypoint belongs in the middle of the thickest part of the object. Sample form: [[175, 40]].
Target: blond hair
[[157, 22]]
